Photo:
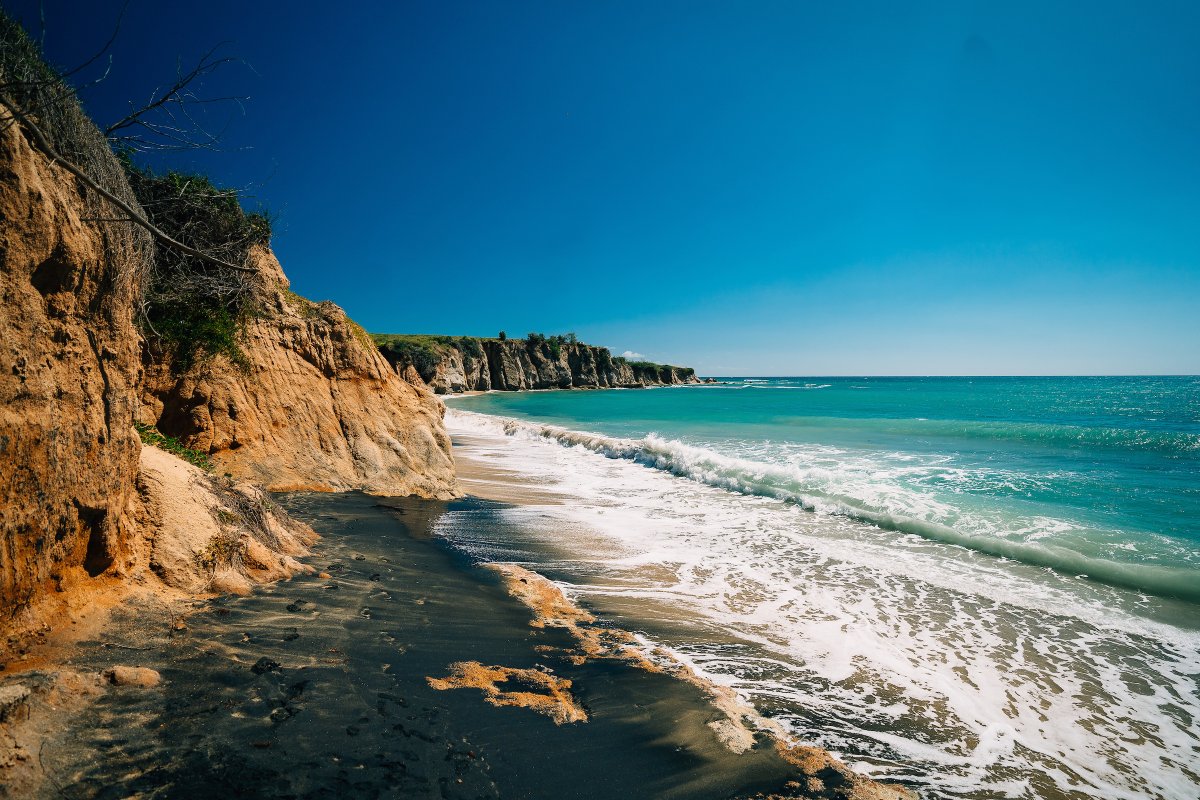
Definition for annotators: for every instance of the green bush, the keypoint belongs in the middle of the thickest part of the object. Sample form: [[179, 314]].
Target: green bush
[[471, 347], [195, 309], [421, 352], [150, 436]]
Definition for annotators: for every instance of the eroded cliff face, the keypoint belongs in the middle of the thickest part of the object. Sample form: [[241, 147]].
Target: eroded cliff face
[[469, 364], [200, 534], [87, 514], [317, 407], [69, 364], [83, 512]]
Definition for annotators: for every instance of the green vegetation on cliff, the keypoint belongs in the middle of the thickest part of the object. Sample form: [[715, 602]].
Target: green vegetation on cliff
[[495, 362], [192, 305], [193, 308], [151, 436], [423, 351]]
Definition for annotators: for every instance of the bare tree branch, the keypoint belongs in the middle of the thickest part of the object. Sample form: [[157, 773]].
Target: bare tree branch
[[43, 144], [173, 103], [101, 52]]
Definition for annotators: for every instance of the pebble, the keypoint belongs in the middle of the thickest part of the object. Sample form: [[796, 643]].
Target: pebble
[[141, 677]]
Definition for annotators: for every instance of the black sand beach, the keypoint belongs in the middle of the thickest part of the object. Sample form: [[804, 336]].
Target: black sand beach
[[319, 687]]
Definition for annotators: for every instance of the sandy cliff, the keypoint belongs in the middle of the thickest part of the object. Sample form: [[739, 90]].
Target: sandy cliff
[[68, 369], [84, 507], [200, 533], [317, 407], [449, 364], [79, 508]]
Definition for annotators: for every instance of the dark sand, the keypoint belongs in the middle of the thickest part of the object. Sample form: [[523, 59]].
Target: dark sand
[[318, 688]]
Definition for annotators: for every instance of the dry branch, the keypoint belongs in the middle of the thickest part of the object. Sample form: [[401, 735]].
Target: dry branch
[[43, 144]]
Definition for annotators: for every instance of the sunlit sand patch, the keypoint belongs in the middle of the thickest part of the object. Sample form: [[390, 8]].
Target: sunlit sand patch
[[820, 774], [552, 609], [533, 689]]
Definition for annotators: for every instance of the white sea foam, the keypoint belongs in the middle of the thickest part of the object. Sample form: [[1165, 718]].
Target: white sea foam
[[975, 676], [828, 481]]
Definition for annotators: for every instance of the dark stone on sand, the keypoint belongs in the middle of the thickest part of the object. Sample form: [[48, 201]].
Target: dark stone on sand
[[264, 664]]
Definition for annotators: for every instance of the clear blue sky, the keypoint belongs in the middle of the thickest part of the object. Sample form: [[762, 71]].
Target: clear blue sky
[[745, 187]]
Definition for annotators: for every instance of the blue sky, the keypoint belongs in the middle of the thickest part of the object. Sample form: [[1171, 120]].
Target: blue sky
[[747, 188]]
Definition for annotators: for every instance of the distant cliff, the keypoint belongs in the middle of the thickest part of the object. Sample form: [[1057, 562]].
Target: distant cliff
[[466, 363]]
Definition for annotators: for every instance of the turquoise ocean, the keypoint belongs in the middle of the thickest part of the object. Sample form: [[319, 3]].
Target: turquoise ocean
[[989, 587]]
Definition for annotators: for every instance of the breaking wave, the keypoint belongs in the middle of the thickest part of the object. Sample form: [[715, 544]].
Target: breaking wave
[[787, 483]]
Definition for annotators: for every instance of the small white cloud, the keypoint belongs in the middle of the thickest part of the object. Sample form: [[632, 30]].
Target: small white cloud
[[633, 355]]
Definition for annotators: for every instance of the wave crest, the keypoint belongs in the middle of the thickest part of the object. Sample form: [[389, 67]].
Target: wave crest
[[748, 477]]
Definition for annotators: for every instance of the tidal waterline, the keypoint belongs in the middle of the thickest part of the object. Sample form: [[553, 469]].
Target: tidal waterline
[[929, 658]]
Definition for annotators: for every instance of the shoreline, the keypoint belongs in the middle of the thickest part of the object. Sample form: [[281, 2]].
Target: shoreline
[[865, 640], [740, 724]]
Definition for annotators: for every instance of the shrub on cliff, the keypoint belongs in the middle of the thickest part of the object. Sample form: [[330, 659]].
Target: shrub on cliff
[[419, 352], [151, 435], [193, 277], [470, 346], [194, 308]]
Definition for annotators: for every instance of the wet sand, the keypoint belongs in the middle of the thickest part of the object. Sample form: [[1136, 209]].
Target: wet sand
[[340, 686], [481, 478]]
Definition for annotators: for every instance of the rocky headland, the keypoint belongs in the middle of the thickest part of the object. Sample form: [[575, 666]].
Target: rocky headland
[[452, 364]]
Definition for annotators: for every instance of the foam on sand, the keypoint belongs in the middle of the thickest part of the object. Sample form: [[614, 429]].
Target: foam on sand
[[986, 676]]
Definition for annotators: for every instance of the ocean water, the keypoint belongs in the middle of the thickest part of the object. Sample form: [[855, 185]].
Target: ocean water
[[986, 587]]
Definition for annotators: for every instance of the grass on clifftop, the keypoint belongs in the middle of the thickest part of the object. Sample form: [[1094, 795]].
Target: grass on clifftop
[[422, 351], [151, 436]]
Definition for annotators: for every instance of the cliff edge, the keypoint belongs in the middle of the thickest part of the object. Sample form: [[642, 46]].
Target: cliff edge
[[313, 406]]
